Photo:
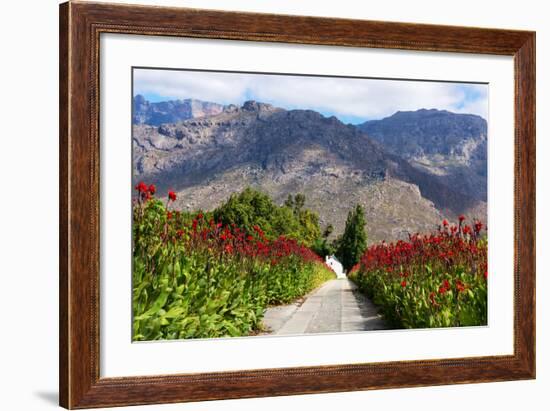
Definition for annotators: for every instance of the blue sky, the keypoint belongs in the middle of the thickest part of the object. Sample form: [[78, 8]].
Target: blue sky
[[351, 100]]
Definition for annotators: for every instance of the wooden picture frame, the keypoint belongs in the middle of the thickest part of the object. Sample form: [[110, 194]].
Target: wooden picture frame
[[80, 27]]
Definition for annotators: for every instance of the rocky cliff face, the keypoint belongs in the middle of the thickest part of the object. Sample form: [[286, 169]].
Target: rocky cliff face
[[155, 114], [424, 133], [442, 143]]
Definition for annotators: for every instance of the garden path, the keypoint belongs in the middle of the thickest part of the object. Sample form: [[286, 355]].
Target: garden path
[[336, 306]]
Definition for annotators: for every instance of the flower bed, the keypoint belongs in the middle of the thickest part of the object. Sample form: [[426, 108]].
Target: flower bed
[[194, 278], [436, 280]]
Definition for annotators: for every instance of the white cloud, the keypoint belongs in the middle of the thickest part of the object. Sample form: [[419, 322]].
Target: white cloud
[[343, 97]]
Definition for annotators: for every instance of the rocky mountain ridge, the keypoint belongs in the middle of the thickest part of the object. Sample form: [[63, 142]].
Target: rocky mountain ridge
[[173, 111], [289, 151], [446, 144]]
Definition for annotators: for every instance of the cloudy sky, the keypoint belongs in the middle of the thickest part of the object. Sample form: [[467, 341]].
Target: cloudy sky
[[351, 100]]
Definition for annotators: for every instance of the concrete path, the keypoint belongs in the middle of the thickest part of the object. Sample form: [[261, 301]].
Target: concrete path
[[334, 307]]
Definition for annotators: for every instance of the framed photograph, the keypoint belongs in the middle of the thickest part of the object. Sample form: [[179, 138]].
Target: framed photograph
[[260, 205]]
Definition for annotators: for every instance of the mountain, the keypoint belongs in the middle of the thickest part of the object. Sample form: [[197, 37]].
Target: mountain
[[145, 112], [289, 151], [440, 142]]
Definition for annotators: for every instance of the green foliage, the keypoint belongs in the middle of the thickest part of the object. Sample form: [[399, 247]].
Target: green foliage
[[353, 242], [322, 247], [436, 280], [416, 305], [329, 229], [253, 208], [309, 227], [187, 283]]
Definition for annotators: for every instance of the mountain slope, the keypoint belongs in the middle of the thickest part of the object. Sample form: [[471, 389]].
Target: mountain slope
[[282, 152], [413, 134], [450, 145]]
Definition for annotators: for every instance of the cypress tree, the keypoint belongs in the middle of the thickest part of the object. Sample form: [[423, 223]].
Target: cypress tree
[[354, 240]]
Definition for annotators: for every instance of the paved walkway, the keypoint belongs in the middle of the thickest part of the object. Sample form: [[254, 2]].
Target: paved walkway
[[336, 306]]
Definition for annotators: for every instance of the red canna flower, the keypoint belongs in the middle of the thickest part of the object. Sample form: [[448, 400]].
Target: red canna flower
[[172, 195], [141, 187], [445, 223], [460, 286], [444, 287], [200, 216], [478, 226], [403, 283], [152, 189], [461, 218]]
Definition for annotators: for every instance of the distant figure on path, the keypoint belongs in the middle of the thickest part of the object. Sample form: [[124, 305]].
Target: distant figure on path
[[336, 266]]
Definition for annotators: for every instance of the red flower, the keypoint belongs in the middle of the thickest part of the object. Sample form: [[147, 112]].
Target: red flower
[[461, 218], [444, 287], [172, 195], [445, 223], [152, 189], [478, 226], [460, 286], [432, 298], [141, 187], [403, 283], [485, 275], [200, 216], [179, 233], [168, 215]]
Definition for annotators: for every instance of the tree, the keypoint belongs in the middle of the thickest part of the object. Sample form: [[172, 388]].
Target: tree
[[289, 202], [328, 231], [309, 226], [251, 207], [299, 202], [353, 242]]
